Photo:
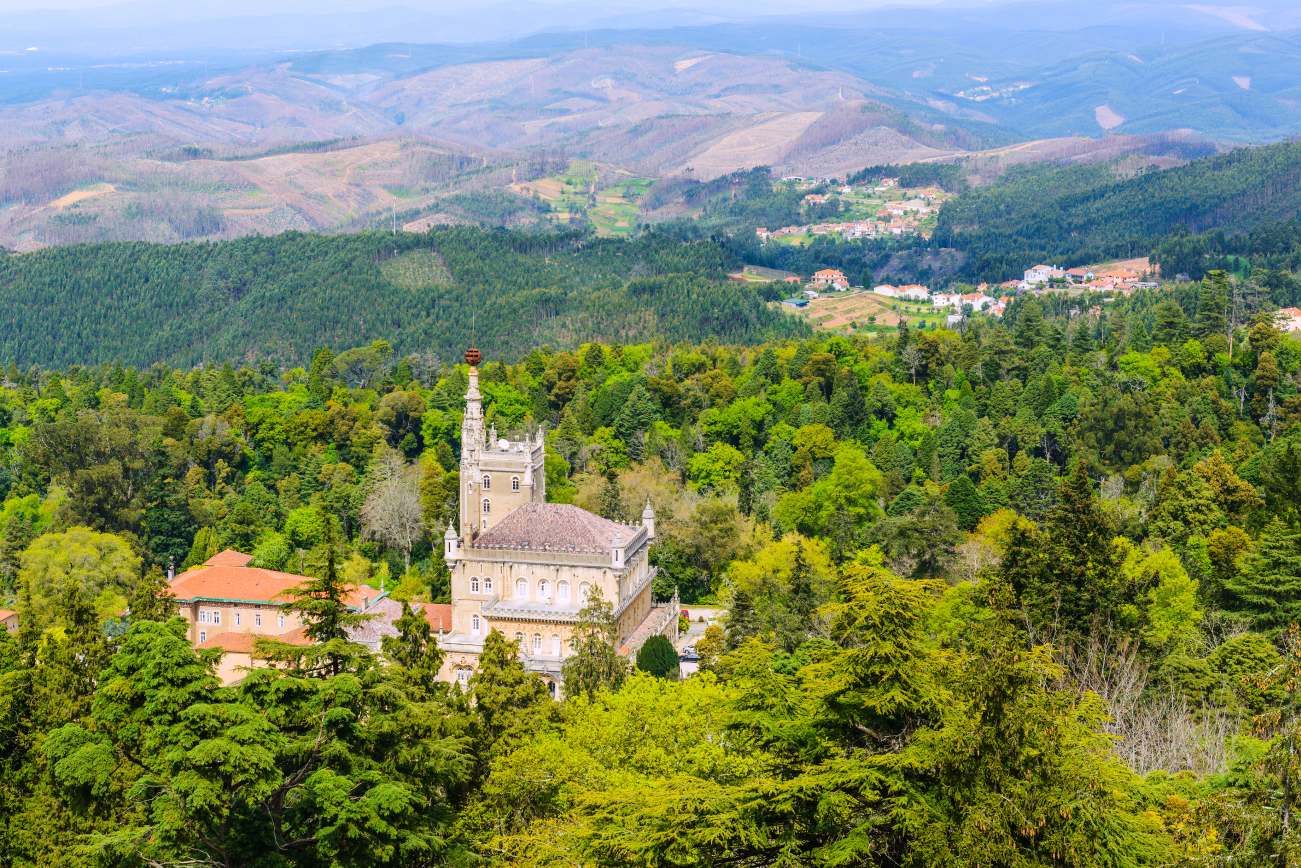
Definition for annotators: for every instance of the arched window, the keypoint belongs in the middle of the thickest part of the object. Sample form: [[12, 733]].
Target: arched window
[[487, 482], [562, 591], [519, 639], [463, 677], [487, 506], [487, 584], [514, 483], [583, 590], [544, 590], [474, 584], [537, 643], [521, 589], [555, 645], [474, 624]]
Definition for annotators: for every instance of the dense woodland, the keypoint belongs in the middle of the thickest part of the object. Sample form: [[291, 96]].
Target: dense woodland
[[278, 298], [1022, 594]]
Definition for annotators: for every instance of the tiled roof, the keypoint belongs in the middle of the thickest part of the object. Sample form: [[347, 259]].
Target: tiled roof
[[6, 614], [224, 582], [439, 616], [555, 527], [234, 582], [229, 558]]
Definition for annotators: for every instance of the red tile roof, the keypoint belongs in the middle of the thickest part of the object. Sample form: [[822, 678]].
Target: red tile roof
[[241, 584], [6, 614], [233, 582], [229, 558], [439, 616]]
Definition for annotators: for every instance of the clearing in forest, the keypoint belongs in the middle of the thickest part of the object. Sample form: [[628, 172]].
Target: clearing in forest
[[865, 312], [70, 199]]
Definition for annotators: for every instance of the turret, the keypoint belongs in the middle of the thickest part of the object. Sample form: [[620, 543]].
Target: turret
[[648, 520], [451, 544]]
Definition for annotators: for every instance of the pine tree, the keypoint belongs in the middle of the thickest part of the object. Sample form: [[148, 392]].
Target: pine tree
[[1213, 305], [609, 503], [638, 414], [595, 664], [414, 649], [745, 489], [802, 598], [1171, 328], [151, 597], [1079, 589], [1081, 340], [741, 621], [321, 605], [508, 699], [1268, 587]]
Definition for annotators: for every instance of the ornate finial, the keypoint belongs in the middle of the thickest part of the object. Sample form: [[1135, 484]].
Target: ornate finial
[[473, 357]]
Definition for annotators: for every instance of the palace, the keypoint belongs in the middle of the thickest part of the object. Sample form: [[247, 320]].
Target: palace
[[525, 567]]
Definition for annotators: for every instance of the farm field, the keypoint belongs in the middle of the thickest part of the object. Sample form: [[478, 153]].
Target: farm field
[[865, 312], [582, 190], [759, 274]]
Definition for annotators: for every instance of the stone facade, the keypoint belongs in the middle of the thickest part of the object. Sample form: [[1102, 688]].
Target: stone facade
[[523, 566]]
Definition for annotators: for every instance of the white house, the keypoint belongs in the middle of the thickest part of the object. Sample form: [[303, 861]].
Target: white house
[[886, 290], [914, 292], [946, 299], [1043, 274], [977, 300]]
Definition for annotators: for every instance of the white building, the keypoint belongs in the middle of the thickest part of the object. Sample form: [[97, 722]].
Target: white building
[[886, 290], [1043, 273]]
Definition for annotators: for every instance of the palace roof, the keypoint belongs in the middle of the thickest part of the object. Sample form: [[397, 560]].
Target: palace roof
[[556, 527]]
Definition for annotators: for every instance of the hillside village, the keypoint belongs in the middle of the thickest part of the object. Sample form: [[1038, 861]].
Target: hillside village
[[828, 299], [856, 211]]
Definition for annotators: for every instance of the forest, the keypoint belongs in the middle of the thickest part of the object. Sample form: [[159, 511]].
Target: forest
[[278, 298], [1026, 593]]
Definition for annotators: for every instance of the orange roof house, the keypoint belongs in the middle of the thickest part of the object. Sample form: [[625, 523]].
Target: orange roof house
[[230, 604], [9, 619], [830, 277]]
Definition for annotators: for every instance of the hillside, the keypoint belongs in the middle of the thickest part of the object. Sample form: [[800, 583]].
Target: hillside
[[1084, 214], [284, 296]]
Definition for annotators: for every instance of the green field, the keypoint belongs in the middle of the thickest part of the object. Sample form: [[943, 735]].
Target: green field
[[580, 191]]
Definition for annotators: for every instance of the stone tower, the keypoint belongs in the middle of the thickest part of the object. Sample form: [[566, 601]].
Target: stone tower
[[497, 474]]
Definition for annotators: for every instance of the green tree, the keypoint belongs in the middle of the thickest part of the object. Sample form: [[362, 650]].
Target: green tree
[[658, 657], [508, 700], [414, 649], [1267, 589], [100, 567], [594, 664]]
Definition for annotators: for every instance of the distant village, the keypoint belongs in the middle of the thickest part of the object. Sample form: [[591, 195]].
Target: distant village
[[991, 299], [867, 211]]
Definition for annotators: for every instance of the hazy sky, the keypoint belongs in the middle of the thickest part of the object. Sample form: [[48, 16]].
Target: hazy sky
[[199, 10]]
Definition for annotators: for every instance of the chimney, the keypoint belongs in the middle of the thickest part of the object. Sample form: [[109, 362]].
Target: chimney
[[171, 568]]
